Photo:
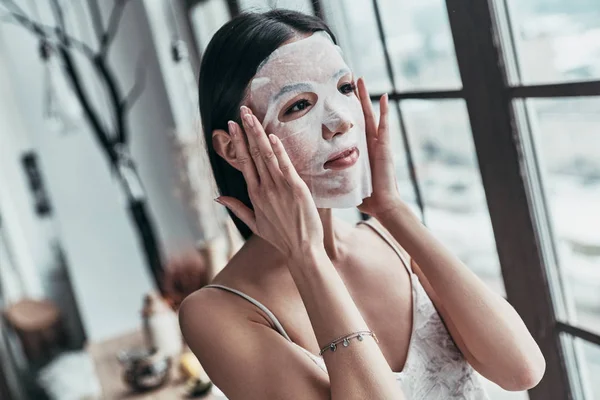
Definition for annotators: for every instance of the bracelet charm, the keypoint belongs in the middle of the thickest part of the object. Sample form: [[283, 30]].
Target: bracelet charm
[[346, 340]]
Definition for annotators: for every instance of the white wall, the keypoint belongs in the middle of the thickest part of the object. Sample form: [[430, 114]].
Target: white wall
[[28, 246], [105, 260]]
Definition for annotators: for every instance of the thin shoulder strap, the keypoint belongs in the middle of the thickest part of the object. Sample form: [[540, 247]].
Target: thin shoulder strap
[[258, 304], [390, 242]]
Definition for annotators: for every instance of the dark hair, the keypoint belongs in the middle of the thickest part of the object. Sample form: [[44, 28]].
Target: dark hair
[[228, 64]]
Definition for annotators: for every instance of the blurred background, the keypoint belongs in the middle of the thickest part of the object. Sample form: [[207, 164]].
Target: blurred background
[[104, 181]]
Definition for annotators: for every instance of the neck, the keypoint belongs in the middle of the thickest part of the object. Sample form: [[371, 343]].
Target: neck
[[331, 234], [334, 233]]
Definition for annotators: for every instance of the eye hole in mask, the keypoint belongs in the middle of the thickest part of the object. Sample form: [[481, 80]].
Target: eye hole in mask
[[302, 103]]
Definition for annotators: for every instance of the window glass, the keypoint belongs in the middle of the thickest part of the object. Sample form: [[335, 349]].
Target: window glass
[[355, 27], [556, 40], [590, 364], [567, 137], [446, 166], [420, 45], [583, 365]]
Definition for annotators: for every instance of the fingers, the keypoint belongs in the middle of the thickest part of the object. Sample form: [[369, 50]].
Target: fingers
[[243, 155], [260, 152], [367, 106], [286, 168], [265, 147], [240, 210], [383, 128]]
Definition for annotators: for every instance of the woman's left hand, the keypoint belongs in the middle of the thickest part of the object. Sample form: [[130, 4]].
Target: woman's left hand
[[385, 196]]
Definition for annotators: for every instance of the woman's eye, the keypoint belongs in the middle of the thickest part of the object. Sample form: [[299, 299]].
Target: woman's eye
[[298, 106], [347, 88]]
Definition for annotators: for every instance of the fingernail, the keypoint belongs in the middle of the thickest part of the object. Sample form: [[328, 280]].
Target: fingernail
[[219, 201], [272, 139], [244, 110], [249, 120], [231, 127]]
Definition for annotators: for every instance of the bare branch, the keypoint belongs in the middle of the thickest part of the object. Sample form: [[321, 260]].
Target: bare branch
[[139, 85], [64, 44], [13, 8], [113, 25], [108, 78], [114, 93], [45, 31], [59, 15], [96, 15], [75, 79], [16, 14]]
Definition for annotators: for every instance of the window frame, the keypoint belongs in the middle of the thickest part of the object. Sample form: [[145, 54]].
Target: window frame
[[511, 181]]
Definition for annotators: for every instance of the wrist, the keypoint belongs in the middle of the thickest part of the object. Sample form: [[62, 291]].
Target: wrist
[[393, 206], [308, 255], [400, 211]]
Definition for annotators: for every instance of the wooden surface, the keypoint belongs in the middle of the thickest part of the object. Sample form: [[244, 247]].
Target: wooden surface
[[110, 371]]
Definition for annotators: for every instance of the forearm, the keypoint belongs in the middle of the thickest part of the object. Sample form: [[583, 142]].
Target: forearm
[[492, 331], [360, 370]]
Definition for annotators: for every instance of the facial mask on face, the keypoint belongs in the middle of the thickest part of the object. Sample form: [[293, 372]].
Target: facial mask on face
[[333, 124]]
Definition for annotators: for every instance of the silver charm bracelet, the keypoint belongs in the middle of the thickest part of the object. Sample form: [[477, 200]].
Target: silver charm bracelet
[[346, 340]]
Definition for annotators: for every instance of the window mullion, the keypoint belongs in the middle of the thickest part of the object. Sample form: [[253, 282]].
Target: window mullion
[[495, 136]]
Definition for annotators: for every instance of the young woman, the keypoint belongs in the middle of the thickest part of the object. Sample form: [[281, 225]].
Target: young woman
[[290, 135]]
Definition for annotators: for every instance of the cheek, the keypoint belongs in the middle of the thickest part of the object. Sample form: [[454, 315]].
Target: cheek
[[357, 113], [257, 109], [301, 144], [300, 150]]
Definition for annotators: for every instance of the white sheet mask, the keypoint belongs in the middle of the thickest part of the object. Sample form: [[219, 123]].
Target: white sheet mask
[[314, 66]]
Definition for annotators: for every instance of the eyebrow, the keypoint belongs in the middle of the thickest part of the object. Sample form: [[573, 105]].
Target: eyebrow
[[341, 73], [306, 87]]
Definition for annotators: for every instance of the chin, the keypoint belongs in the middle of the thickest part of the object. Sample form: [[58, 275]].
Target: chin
[[338, 193]]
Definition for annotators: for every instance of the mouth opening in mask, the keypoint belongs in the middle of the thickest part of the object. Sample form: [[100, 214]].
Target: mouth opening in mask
[[342, 160]]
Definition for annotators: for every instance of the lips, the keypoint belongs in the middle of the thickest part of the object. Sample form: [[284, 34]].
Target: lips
[[343, 159]]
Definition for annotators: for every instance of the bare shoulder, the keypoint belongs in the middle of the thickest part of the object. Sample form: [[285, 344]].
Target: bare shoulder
[[243, 355], [212, 303], [201, 300]]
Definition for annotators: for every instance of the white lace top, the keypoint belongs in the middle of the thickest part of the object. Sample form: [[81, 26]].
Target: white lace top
[[435, 369]]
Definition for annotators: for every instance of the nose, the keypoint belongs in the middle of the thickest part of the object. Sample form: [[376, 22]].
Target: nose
[[336, 123]]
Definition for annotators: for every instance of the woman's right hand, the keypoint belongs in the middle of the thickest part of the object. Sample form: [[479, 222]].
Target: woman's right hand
[[284, 212]]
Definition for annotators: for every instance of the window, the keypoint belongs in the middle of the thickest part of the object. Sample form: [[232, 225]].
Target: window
[[551, 45], [420, 45], [557, 40], [590, 368], [362, 47], [567, 136]]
